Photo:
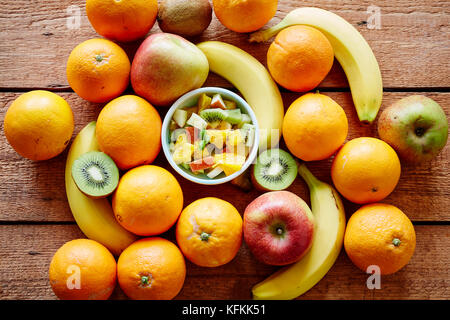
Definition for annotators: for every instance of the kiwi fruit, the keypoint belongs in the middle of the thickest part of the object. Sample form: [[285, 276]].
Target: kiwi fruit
[[212, 115], [185, 18], [95, 174], [274, 170]]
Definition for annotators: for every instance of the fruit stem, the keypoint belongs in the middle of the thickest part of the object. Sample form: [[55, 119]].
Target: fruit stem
[[309, 178], [396, 242], [144, 280], [204, 236], [99, 58]]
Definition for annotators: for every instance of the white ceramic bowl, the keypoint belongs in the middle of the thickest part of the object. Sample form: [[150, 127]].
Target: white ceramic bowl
[[190, 99]]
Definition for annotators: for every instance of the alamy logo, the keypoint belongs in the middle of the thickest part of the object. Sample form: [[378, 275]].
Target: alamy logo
[[374, 280], [374, 18], [74, 280]]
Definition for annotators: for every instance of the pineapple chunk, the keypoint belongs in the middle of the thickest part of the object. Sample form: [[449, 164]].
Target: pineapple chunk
[[183, 153], [229, 162], [217, 137], [196, 121], [235, 138], [181, 139]]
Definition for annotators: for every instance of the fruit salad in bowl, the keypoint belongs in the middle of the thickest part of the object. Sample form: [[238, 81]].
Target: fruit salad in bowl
[[210, 135]]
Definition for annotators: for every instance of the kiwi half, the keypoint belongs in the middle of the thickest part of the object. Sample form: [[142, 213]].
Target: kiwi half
[[274, 170], [95, 174]]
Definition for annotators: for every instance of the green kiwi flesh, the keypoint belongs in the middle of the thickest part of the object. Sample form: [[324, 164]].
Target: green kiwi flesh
[[274, 170], [95, 174]]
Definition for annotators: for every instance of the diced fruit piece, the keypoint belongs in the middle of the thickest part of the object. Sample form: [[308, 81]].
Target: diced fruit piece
[[233, 116], [199, 172], [214, 172], [176, 133], [202, 164], [203, 102], [245, 119], [191, 110], [249, 132], [235, 138], [193, 134], [183, 153], [212, 115], [172, 125], [172, 147], [217, 137], [180, 117], [224, 125], [230, 104], [229, 162], [213, 125], [217, 102], [185, 166], [196, 121]]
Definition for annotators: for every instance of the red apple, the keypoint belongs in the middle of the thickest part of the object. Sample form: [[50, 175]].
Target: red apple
[[278, 228]]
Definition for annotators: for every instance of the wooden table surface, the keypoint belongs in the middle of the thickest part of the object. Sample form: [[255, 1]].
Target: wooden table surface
[[413, 50]]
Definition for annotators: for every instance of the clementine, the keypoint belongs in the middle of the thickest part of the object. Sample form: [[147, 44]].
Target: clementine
[[382, 235], [209, 232], [122, 20], [98, 70], [366, 170], [39, 125], [151, 269], [83, 269], [129, 131], [299, 58], [148, 200], [244, 15], [314, 127]]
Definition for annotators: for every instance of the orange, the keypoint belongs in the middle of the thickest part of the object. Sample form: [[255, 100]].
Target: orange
[[299, 58], [209, 232], [366, 170], [83, 269], [39, 125], [314, 127], [244, 15], [382, 235], [151, 269], [129, 131], [148, 200], [122, 20], [98, 70]]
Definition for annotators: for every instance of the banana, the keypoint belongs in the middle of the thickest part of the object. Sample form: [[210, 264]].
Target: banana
[[253, 80], [350, 49], [94, 217], [296, 279]]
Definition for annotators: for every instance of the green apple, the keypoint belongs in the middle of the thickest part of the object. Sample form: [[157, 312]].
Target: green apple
[[416, 127]]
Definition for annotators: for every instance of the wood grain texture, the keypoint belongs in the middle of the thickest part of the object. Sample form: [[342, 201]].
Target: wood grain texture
[[27, 250], [34, 191], [411, 45]]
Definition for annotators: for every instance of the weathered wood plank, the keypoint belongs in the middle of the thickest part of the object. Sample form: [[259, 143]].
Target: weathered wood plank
[[26, 252], [411, 44], [34, 191]]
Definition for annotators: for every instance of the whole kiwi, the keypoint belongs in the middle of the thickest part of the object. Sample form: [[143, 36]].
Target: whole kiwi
[[184, 17]]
